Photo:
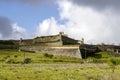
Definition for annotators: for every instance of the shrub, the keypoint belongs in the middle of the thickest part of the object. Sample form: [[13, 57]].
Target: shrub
[[6, 57], [15, 56], [48, 55], [114, 61], [27, 60], [98, 56]]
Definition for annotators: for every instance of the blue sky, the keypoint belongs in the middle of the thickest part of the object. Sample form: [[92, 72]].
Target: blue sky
[[27, 15], [97, 21]]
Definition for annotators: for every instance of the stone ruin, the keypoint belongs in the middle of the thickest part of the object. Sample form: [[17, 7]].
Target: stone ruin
[[59, 44]]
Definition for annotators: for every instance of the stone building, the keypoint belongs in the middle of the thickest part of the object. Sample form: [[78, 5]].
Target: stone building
[[56, 40], [59, 44]]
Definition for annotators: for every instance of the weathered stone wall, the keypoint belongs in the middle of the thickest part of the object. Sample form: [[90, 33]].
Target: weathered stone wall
[[66, 41], [63, 51], [49, 44], [9, 44], [43, 39], [26, 42], [54, 40], [88, 50]]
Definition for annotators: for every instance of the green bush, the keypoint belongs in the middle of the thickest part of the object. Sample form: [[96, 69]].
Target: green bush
[[15, 56], [48, 55], [6, 57], [98, 56], [27, 60], [114, 61]]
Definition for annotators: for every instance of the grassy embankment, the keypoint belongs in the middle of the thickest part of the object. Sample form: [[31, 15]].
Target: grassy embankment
[[16, 57], [48, 67]]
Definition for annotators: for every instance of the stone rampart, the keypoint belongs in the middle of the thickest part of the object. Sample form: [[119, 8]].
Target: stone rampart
[[52, 38], [69, 41], [26, 42], [63, 51], [49, 44]]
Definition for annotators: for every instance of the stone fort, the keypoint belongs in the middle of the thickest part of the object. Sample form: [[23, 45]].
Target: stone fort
[[59, 44], [60, 39]]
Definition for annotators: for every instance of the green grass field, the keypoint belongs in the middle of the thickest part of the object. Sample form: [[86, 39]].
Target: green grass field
[[58, 72], [14, 56], [44, 67]]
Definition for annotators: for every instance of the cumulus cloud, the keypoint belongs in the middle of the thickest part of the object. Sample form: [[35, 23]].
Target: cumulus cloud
[[5, 26], [18, 32], [98, 4], [45, 27], [49, 26], [83, 22], [9, 30]]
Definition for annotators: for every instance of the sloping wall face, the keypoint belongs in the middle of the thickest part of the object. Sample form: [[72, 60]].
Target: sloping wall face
[[67, 41], [49, 44], [43, 39], [54, 40], [88, 50], [63, 51], [9, 44], [26, 42]]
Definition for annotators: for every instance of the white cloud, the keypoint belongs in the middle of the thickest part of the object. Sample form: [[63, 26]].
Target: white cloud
[[9, 30], [49, 26], [18, 32], [18, 29], [94, 26], [0, 36]]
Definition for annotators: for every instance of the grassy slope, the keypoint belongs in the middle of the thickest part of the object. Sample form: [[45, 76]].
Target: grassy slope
[[57, 72], [57, 69], [18, 57]]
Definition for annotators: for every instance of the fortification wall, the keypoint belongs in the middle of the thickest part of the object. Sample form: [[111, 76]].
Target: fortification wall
[[54, 40], [26, 42], [63, 51], [66, 41], [9, 42], [41, 39], [49, 44]]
